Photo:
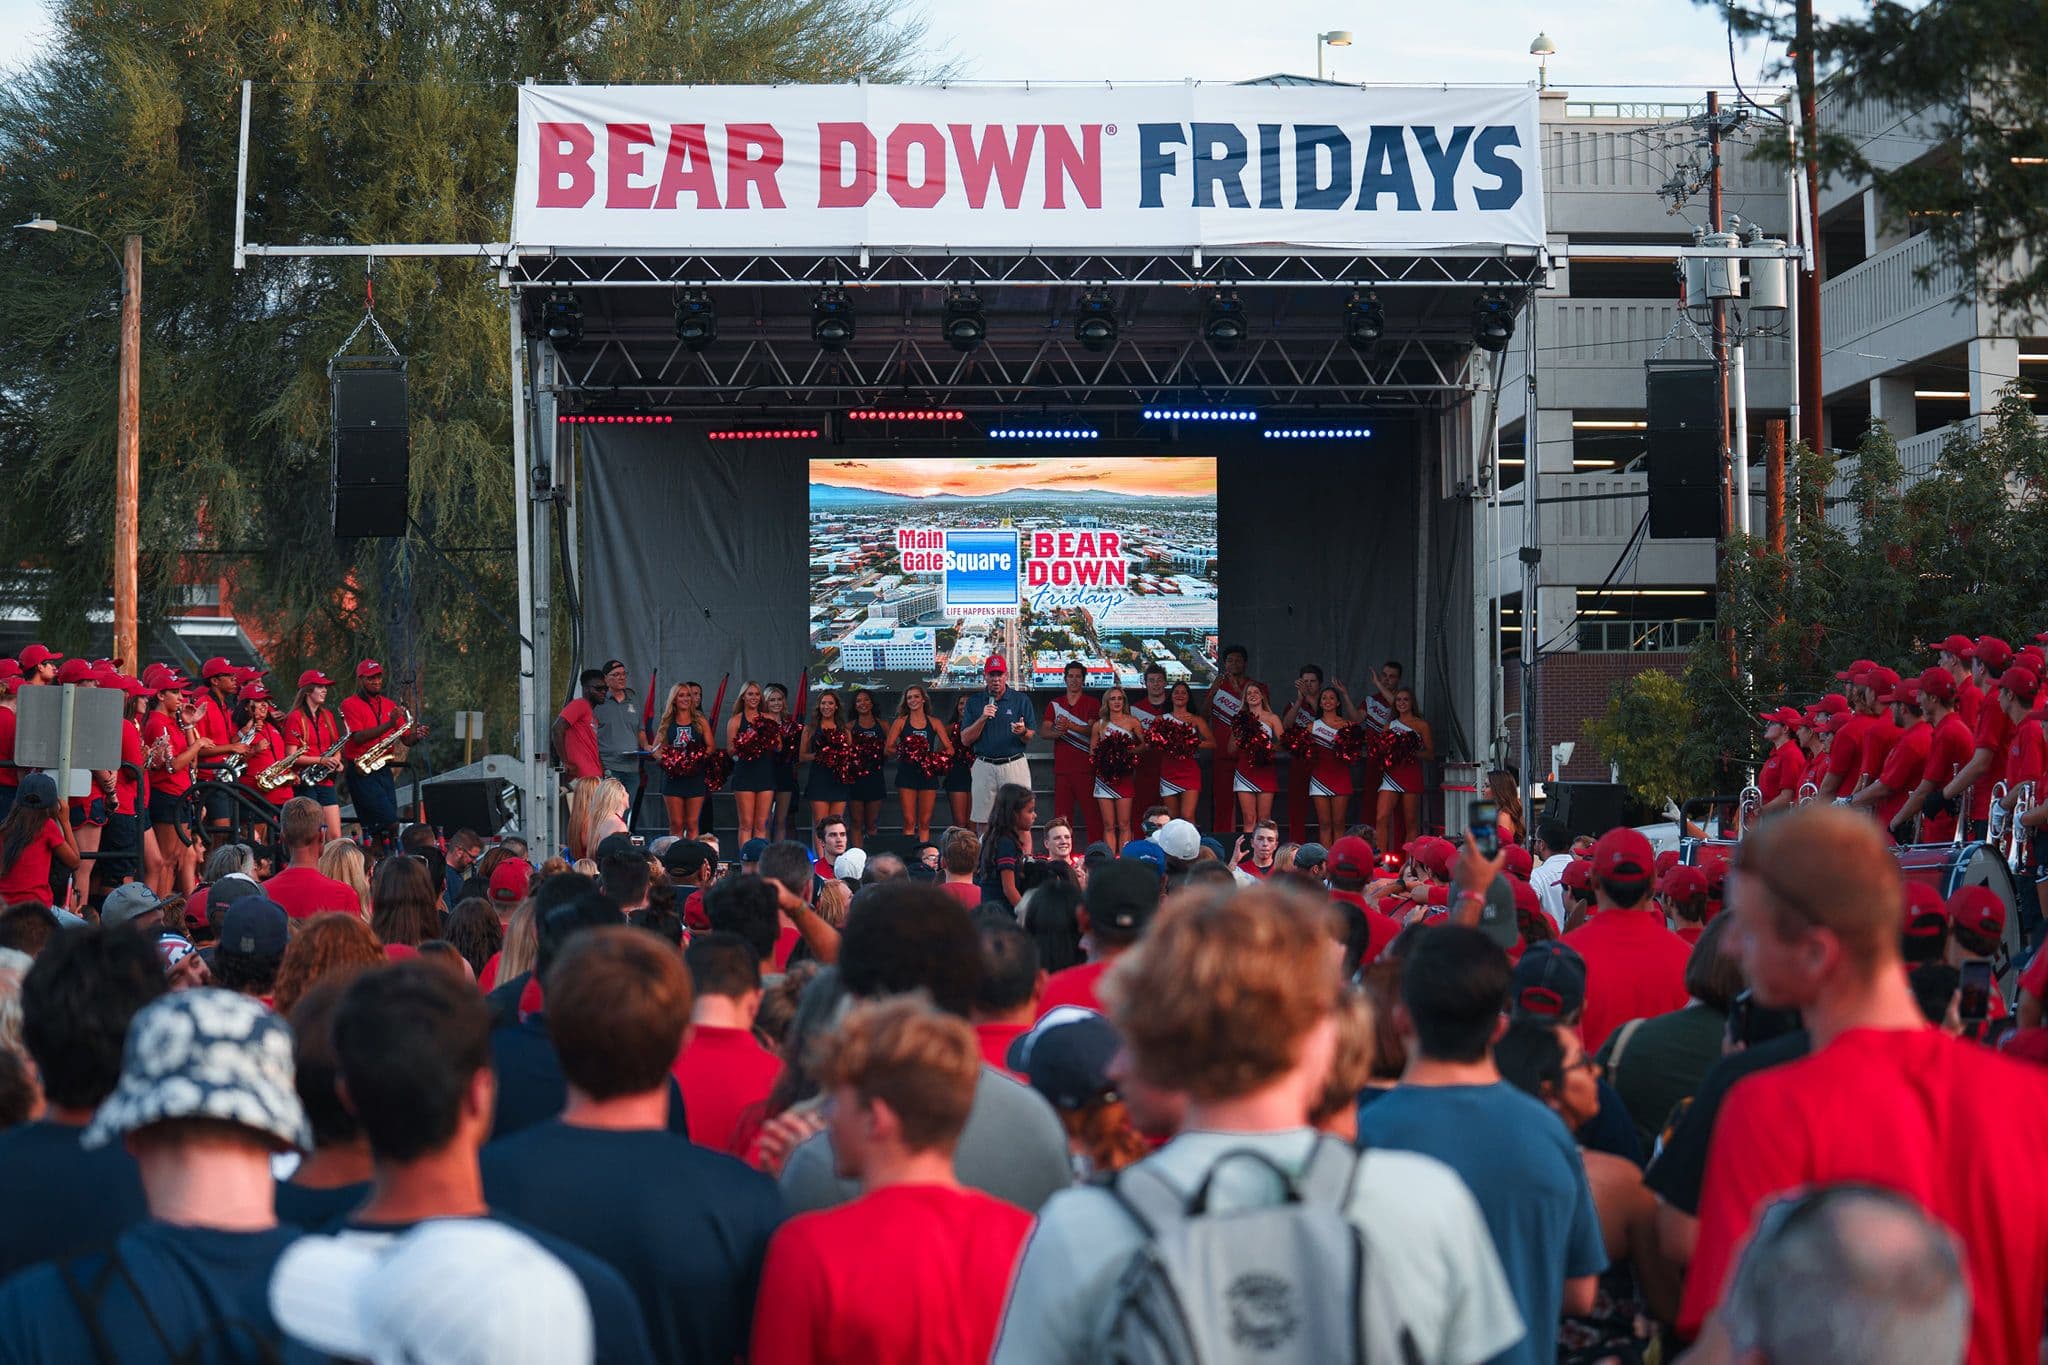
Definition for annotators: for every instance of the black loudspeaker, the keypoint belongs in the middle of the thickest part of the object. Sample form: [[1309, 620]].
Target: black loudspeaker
[[477, 803], [1591, 807], [1684, 440], [372, 451]]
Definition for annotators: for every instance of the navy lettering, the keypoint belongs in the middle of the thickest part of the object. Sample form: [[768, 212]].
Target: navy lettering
[[1269, 166], [1155, 161], [1386, 170], [1443, 165], [1311, 191], [1211, 170], [1489, 159]]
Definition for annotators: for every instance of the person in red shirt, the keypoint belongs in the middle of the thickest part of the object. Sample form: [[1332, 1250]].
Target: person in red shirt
[[1883, 730], [1949, 747], [1635, 966], [312, 729], [220, 681], [300, 887], [267, 746], [1122, 897], [171, 744], [371, 717], [573, 738], [1684, 895], [1006, 1000], [1352, 866], [723, 1071], [1905, 759], [1952, 656], [1785, 769], [1883, 1099], [1845, 734], [1145, 709], [37, 832], [917, 1268], [1226, 703], [10, 776], [1301, 710], [1069, 719]]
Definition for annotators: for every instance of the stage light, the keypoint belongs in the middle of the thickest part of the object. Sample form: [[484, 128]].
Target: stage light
[[1493, 322], [1224, 323], [613, 419], [696, 319], [1095, 326], [1316, 433], [1201, 414], [905, 415], [965, 325], [1364, 320], [762, 434], [832, 319], [1016, 433], [561, 320]]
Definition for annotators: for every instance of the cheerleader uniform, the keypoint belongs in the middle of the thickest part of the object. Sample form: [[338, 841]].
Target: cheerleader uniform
[[910, 777], [1179, 775], [683, 785], [785, 764], [870, 786], [1258, 780], [1122, 788], [1403, 775], [752, 774], [823, 787], [1331, 775], [959, 777]]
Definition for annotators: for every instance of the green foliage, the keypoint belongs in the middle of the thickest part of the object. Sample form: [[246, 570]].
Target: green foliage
[[389, 122], [1644, 732]]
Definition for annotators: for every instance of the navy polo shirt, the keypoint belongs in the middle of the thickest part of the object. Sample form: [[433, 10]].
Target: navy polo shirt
[[995, 742]]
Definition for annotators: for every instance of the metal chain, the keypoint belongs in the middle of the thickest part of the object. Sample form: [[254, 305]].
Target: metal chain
[[369, 318]]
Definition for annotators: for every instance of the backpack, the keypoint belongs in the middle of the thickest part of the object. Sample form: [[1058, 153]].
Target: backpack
[[1278, 1284]]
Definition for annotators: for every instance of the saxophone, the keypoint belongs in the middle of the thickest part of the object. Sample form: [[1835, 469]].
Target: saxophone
[[278, 773], [314, 774], [380, 753], [232, 767]]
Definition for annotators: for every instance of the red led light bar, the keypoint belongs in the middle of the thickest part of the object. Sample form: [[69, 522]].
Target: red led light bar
[[599, 419], [764, 434], [905, 415]]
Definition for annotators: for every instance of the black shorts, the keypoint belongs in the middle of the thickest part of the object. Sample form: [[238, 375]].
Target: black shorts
[[218, 808], [120, 849], [324, 794], [167, 808]]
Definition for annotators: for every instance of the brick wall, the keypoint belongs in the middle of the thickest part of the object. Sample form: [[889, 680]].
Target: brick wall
[[1574, 688]]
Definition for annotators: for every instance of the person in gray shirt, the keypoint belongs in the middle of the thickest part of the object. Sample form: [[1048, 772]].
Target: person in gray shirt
[[619, 740], [904, 936]]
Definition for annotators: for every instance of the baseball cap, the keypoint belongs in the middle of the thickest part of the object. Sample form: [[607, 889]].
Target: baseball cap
[[1311, 855], [254, 925], [38, 791], [1179, 840], [1684, 882], [1784, 715], [1577, 875], [617, 846], [35, 656], [10, 668], [1518, 861], [210, 1054], [216, 667], [1351, 856], [509, 881], [254, 691], [1433, 853], [1066, 1056], [1548, 983], [452, 1291], [1144, 851], [1122, 894], [313, 677], [2023, 683], [1978, 909], [1855, 671], [1096, 854], [752, 849], [130, 901], [1623, 854], [221, 896], [1939, 684], [995, 665], [1958, 645], [1991, 652], [1881, 680], [851, 865], [1834, 703], [686, 857], [369, 668], [75, 671], [1903, 690]]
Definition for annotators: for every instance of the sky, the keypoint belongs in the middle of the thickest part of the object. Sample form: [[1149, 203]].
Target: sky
[[1145, 475], [1601, 44]]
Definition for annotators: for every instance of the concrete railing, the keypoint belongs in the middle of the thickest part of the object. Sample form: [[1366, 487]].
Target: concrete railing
[[1886, 289]]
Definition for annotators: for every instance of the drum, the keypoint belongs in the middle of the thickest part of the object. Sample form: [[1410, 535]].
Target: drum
[[1694, 852], [1949, 867]]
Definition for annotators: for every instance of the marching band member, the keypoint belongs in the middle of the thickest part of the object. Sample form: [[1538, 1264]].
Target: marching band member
[[826, 791], [1254, 783], [1330, 780], [1952, 656], [1180, 779], [1226, 701], [1883, 731], [88, 813], [171, 746], [1949, 746], [1148, 708], [1301, 711], [267, 746], [131, 793], [313, 730], [1070, 720], [782, 810], [683, 722], [1778, 780], [917, 789], [1838, 777], [371, 717], [1401, 781], [1114, 794], [1906, 759], [864, 794], [220, 680], [10, 776], [2026, 764], [753, 779], [1993, 731]]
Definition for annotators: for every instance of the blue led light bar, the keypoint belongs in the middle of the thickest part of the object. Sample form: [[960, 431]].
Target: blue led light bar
[[1201, 415], [1043, 434], [1316, 433]]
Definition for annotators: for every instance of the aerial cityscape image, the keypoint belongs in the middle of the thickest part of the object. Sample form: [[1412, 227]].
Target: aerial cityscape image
[[920, 569]]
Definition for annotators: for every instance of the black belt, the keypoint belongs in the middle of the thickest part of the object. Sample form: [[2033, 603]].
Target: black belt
[[998, 762]]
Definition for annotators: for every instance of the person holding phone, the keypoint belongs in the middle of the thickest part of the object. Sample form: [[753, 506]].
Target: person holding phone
[[1254, 853]]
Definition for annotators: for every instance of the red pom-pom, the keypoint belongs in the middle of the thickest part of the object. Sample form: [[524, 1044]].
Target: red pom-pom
[[867, 752], [1300, 741], [1351, 742], [835, 750], [756, 739], [682, 760], [1116, 754], [917, 751], [1174, 738], [717, 768], [1253, 741]]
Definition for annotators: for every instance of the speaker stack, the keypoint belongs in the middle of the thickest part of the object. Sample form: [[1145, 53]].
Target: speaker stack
[[1684, 450], [372, 451]]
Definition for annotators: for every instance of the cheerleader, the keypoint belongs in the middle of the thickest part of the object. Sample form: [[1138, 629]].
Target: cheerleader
[[753, 779], [1113, 794], [864, 794], [1329, 782], [959, 784], [782, 813], [826, 792], [1400, 807], [917, 789], [1255, 783], [681, 723], [1180, 779]]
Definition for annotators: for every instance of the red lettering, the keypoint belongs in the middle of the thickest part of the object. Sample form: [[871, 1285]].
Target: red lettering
[[743, 169], [1111, 545], [932, 188], [835, 191], [1065, 163], [566, 179], [1063, 573], [1116, 571], [1090, 572], [622, 162], [994, 156], [687, 169], [1041, 545], [1034, 573], [1085, 545]]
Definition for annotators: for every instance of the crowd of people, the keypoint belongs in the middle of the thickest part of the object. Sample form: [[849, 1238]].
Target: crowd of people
[[1023, 1094]]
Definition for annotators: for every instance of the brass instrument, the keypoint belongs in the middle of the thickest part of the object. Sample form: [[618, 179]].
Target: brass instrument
[[1999, 822], [1807, 791], [313, 774], [380, 753], [280, 772], [1748, 806], [158, 755], [2017, 847], [234, 765]]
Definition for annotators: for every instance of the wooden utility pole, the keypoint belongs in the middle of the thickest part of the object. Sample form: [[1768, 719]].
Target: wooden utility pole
[[128, 458], [1808, 359], [1774, 485]]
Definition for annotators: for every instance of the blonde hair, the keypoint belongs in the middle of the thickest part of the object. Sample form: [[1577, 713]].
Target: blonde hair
[[923, 1064], [592, 800], [522, 943], [833, 900], [345, 862]]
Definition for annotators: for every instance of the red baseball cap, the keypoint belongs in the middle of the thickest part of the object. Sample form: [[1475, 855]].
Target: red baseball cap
[[2034, 652], [1518, 861], [253, 692], [1922, 899], [245, 676], [10, 668], [1352, 856], [1978, 909], [369, 668], [1905, 689], [509, 881], [1992, 652], [74, 671], [35, 656], [1958, 645], [313, 677], [2023, 683], [1881, 679], [216, 667], [1526, 899], [1623, 854], [1784, 715], [1577, 875], [1834, 703], [1683, 882], [1939, 684], [996, 664], [1667, 860], [1855, 671]]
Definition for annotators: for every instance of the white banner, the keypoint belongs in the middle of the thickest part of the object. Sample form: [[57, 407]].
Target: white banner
[[1014, 169]]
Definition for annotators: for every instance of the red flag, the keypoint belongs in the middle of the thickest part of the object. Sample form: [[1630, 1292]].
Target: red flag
[[803, 692], [718, 705], [647, 711]]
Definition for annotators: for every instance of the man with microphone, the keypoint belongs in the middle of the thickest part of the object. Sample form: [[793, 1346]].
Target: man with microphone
[[999, 724]]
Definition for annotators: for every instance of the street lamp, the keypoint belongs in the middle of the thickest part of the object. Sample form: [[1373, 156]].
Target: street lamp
[[1336, 37], [1543, 50], [128, 442]]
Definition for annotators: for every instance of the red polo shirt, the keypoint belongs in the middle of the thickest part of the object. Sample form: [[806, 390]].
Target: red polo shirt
[[10, 776], [2026, 757], [1952, 1125], [995, 1042], [306, 891], [1845, 753], [1994, 732], [1074, 986], [1381, 929], [1878, 738], [1969, 702], [1903, 768], [1635, 968], [1948, 753], [579, 741], [1070, 751], [1783, 771], [724, 1073]]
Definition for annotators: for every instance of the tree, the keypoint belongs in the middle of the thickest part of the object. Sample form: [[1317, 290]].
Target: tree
[[389, 122], [1643, 732]]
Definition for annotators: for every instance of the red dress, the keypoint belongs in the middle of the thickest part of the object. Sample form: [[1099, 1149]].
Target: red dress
[[1120, 788], [1178, 775], [1404, 774], [1332, 774], [1266, 779]]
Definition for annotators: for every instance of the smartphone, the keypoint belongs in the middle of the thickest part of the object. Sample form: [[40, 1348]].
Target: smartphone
[[1975, 1006], [1484, 827], [639, 840]]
